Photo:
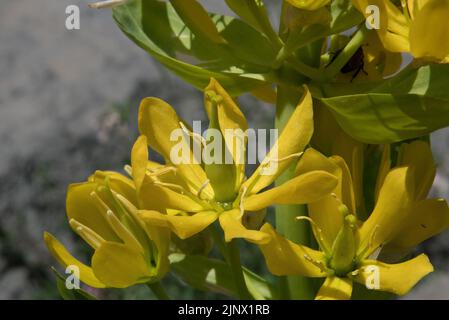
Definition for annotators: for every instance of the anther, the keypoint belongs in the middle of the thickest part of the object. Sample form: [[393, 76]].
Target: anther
[[205, 184]]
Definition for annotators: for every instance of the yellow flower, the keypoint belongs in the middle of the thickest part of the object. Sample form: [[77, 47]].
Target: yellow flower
[[197, 194], [348, 247], [419, 28], [103, 212]]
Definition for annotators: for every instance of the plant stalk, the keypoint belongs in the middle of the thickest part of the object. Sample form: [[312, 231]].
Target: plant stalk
[[237, 271], [293, 287], [158, 290]]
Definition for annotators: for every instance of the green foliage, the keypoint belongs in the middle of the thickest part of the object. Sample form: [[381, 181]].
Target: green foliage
[[410, 105], [67, 294], [214, 275], [157, 28]]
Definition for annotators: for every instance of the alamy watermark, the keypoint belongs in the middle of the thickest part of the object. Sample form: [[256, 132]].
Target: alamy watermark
[[233, 146]]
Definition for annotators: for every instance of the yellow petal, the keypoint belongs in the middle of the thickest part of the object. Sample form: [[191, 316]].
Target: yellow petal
[[66, 259], [395, 278], [342, 145], [284, 257], [414, 6], [426, 219], [161, 238], [326, 215], [394, 28], [231, 223], [309, 4], [293, 140], [418, 156], [158, 121], [335, 288], [346, 188], [313, 160], [118, 266], [139, 161], [378, 62], [428, 32], [117, 182], [183, 226], [158, 197], [81, 207], [325, 212], [389, 213], [306, 188]]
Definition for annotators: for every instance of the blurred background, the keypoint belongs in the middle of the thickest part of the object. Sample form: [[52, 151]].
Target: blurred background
[[68, 106]]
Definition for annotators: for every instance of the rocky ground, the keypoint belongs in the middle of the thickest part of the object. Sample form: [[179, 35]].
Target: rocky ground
[[68, 102]]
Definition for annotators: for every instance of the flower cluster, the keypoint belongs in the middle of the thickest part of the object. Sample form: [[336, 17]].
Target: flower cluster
[[128, 221], [349, 174]]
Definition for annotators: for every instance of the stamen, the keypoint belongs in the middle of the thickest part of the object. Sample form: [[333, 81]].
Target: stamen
[[241, 205], [194, 135], [176, 187], [344, 210], [293, 155], [122, 232], [99, 203], [160, 171], [318, 232], [202, 188], [317, 264], [314, 225], [88, 235]]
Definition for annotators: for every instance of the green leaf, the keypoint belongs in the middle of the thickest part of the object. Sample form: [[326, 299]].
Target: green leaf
[[67, 294], [214, 275], [197, 19], [410, 105], [254, 13], [157, 28], [343, 17]]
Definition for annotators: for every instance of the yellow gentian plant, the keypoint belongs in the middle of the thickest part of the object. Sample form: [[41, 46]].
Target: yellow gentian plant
[[352, 164]]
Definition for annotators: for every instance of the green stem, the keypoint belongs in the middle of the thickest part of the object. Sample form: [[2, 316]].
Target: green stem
[[231, 254], [304, 69], [346, 54], [237, 271], [158, 291], [294, 287], [219, 241]]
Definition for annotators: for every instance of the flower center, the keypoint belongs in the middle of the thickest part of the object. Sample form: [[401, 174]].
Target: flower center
[[343, 252]]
